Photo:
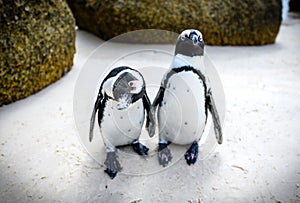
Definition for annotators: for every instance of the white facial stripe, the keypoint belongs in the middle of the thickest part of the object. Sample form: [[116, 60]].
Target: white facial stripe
[[185, 33], [135, 74], [188, 32], [107, 87]]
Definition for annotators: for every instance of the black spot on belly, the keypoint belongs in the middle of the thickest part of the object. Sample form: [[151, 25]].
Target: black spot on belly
[[185, 123], [121, 117], [187, 90], [129, 130]]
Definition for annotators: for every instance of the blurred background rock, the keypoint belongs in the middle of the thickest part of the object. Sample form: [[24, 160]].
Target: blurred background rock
[[223, 22], [37, 43], [294, 5]]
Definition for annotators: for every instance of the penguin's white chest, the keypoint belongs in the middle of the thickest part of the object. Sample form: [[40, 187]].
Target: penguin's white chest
[[122, 127], [182, 118]]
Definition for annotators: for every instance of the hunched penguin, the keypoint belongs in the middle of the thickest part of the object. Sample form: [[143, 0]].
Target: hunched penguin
[[121, 104], [184, 99]]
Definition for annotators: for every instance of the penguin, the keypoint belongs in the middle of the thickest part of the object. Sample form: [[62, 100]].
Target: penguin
[[184, 100], [121, 105]]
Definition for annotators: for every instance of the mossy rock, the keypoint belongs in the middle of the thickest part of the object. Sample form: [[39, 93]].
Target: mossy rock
[[294, 5], [223, 22], [37, 42]]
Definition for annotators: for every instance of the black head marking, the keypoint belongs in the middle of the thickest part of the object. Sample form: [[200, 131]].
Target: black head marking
[[116, 71], [122, 85], [190, 43], [111, 74]]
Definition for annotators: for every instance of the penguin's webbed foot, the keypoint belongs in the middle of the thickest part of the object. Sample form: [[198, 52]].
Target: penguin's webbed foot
[[139, 148], [112, 165], [192, 153], [164, 154]]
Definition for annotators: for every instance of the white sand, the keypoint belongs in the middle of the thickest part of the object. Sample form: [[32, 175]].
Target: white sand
[[42, 158]]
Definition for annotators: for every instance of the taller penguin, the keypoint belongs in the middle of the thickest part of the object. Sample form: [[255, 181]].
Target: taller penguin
[[184, 100], [121, 105]]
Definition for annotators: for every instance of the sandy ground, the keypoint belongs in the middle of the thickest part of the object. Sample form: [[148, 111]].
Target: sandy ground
[[42, 157]]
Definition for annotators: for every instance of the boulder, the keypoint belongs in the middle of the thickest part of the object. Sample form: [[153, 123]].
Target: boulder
[[223, 22], [37, 42], [294, 5]]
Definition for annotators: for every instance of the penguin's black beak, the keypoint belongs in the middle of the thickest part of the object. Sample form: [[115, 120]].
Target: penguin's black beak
[[124, 101]]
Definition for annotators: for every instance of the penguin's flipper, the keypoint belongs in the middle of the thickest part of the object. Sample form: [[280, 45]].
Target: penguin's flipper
[[215, 116], [92, 121], [150, 122], [159, 97]]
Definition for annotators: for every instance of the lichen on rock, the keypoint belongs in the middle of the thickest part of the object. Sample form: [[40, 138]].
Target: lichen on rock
[[223, 22], [37, 42]]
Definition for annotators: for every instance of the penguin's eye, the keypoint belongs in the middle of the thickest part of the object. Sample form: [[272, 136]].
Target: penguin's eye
[[131, 84]]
